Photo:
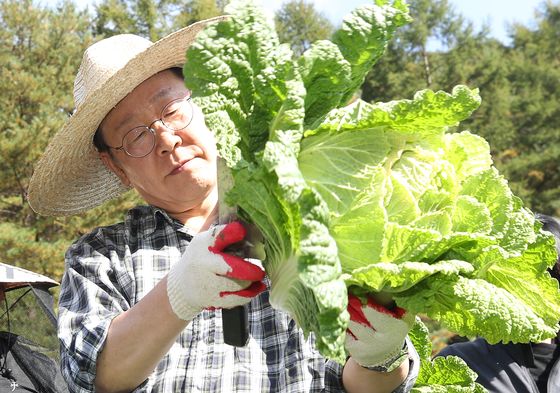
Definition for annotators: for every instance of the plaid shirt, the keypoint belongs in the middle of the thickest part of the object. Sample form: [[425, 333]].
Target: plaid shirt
[[112, 268]]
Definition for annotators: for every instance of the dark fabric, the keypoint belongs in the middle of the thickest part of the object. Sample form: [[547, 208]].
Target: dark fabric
[[544, 357], [503, 368], [45, 301], [30, 366]]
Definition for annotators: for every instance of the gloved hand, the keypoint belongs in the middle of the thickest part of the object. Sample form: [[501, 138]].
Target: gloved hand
[[208, 277], [375, 336]]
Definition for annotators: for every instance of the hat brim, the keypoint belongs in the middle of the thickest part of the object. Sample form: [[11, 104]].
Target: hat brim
[[70, 178]]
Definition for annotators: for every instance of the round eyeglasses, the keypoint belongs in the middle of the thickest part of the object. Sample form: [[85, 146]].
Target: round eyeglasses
[[140, 141]]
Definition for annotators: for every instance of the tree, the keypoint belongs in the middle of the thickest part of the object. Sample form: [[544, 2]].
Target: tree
[[192, 11], [439, 49], [458, 55], [419, 56], [40, 49], [113, 17], [143, 17], [300, 24], [532, 164], [434, 21], [152, 19], [478, 61]]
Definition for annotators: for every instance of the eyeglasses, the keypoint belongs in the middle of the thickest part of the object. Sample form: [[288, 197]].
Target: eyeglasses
[[140, 141]]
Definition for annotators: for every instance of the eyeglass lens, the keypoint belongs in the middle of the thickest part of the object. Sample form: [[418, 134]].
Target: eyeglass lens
[[175, 116]]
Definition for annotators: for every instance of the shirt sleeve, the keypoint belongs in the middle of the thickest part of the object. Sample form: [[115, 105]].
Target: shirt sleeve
[[91, 296], [333, 377]]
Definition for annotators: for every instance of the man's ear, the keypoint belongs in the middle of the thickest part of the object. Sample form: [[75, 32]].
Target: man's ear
[[113, 166]]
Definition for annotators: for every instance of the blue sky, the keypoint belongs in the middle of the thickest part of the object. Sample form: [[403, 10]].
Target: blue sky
[[497, 13]]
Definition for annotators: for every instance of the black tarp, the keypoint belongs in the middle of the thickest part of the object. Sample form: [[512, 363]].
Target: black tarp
[[27, 366]]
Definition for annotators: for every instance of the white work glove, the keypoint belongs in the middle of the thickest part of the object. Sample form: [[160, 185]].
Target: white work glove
[[375, 337], [207, 277]]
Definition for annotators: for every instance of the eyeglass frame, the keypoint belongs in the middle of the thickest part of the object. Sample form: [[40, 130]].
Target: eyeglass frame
[[187, 98]]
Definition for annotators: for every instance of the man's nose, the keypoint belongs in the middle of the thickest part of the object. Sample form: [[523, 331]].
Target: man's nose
[[166, 138]]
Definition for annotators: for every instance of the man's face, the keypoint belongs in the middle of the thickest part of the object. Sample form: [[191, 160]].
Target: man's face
[[179, 174]]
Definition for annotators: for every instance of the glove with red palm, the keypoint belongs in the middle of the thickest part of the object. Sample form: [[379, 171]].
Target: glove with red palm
[[376, 335], [206, 276]]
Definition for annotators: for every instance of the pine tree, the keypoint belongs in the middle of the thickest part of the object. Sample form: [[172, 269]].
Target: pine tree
[[417, 57], [39, 51], [533, 162], [300, 24], [114, 17], [152, 19], [192, 11]]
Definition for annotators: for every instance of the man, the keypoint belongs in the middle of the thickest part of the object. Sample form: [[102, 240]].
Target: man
[[516, 367], [140, 300]]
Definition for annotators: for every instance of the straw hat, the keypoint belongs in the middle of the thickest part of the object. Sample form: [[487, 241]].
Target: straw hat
[[70, 178]]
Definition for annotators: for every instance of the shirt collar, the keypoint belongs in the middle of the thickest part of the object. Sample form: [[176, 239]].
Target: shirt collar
[[148, 218]]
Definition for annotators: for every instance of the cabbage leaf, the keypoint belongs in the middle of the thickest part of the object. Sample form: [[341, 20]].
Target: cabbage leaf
[[376, 197]]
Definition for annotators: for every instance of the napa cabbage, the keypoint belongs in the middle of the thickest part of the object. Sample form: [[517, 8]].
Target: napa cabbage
[[377, 197]]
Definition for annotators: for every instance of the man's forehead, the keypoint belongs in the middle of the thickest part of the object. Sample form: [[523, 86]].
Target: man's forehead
[[162, 85], [165, 93], [147, 97]]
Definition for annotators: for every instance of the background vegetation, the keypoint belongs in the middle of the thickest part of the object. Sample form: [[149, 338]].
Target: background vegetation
[[41, 48]]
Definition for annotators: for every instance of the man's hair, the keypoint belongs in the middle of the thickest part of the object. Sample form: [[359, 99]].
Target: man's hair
[[552, 225], [98, 140]]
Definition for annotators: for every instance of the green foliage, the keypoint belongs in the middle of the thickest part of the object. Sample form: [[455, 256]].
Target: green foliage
[[152, 19], [450, 374], [113, 17], [534, 75], [20, 247], [39, 50], [410, 64], [300, 24], [195, 10], [519, 86]]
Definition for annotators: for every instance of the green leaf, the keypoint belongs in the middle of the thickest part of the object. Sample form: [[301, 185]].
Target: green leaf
[[238, 66], [326, 75], [525, 276], [420, 337], [473, 307], [391, 277], [364, 35], [450, 374]]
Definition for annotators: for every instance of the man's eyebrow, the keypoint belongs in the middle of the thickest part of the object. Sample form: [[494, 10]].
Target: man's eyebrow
[[156, 97], [160, 94]]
